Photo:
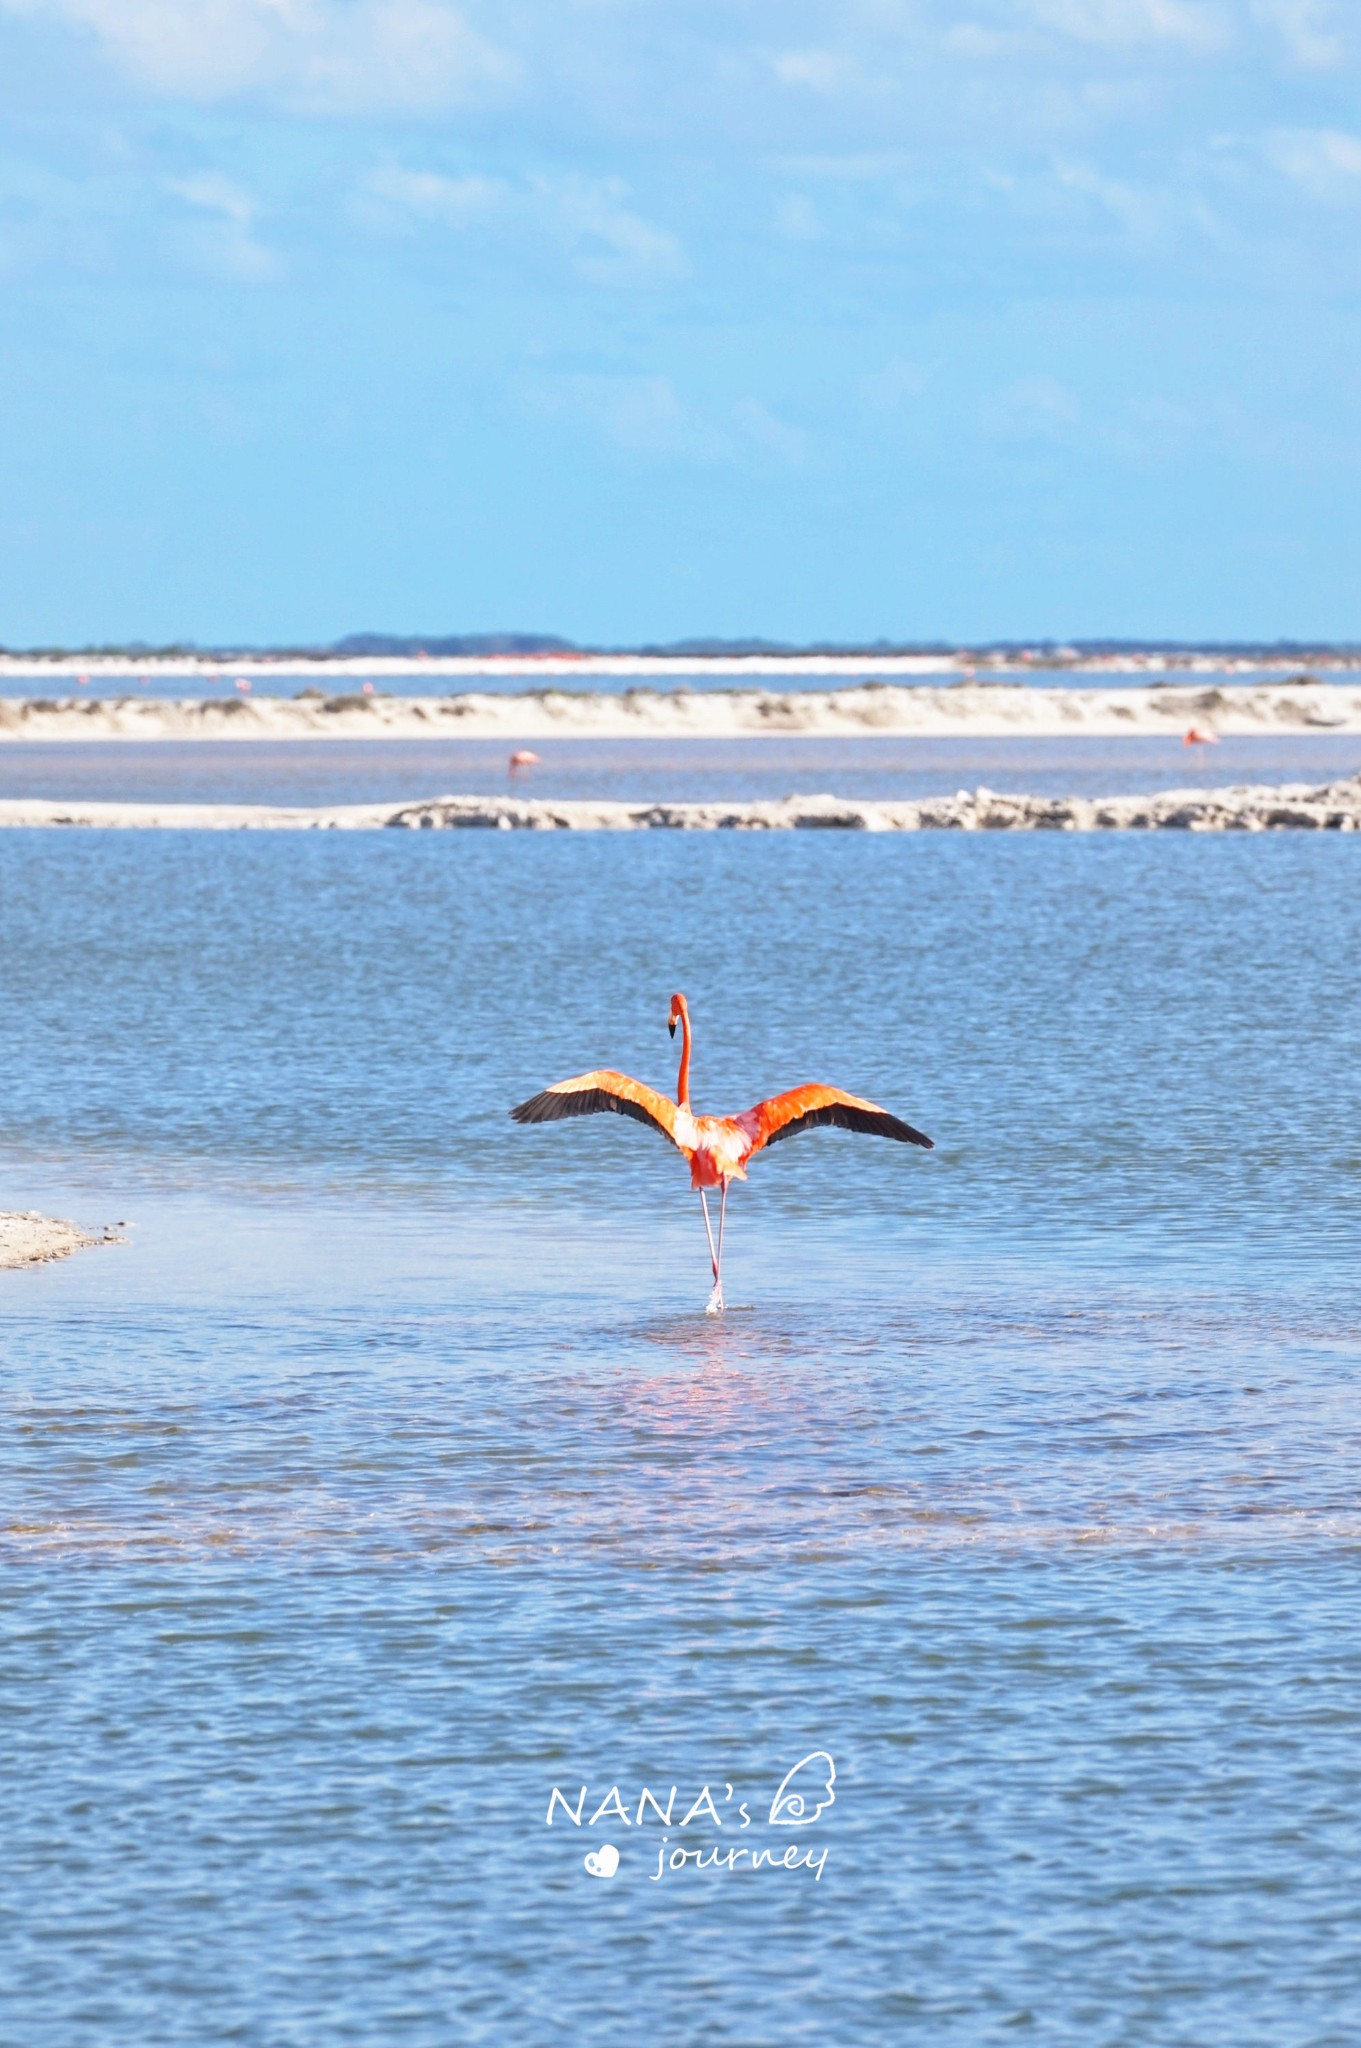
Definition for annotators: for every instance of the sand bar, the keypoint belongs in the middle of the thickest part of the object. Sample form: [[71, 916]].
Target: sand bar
[[1334, 806], [28, 1239], [945, 711], [578, 664]]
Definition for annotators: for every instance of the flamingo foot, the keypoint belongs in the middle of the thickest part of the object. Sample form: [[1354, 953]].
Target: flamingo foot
[[714, 1305]]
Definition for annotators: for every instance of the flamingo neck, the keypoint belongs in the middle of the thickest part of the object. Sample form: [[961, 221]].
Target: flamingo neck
[[683, 1078]]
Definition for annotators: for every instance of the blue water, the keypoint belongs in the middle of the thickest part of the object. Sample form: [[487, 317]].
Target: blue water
[[388, 1475], [313, 771]]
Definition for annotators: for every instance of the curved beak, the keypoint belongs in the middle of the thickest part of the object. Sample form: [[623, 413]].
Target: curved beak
[[670, 1027]]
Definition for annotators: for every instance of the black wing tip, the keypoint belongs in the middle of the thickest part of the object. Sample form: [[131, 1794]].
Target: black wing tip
[[538, 1109], [556, 1105], [845, 1116], [894, 1127]]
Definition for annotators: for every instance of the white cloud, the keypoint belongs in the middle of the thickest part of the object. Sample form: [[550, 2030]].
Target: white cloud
[[1308, 28], [828, 72], [642, 414], [768, 432], [588, 220], [1136, 210], [608, 242], [225, 242], [797, 219], [1323, 161], [1035, 408], [323, 56], [645, 415], [974, 39], [216, 194], [428, 195], [1119, 24], [887, 390]]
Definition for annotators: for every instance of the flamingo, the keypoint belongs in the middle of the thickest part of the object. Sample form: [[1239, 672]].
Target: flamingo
[[523, 757], [716, 1147], [1200, 740]]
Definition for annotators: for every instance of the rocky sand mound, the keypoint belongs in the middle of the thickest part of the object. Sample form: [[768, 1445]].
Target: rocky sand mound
[[28, 1239], [1334, 806], [952, 710]]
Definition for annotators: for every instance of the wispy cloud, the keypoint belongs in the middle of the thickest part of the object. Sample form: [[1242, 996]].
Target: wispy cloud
[[1310, 29], [976, 39], [1324, 162], [773, 436], [1124, 24], [430, 196], [831, 73], [589, 220], [225, 241], [1134, 207], [608, 241], [322, 56], [641, 414], [644, 415], [797, 219], [1032, 409], [889, 389]]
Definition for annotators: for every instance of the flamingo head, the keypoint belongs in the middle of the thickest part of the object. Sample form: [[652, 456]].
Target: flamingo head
[[679, 1010]]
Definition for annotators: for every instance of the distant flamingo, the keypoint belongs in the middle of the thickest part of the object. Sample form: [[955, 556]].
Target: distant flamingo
[[1200, 741], [717, 1147], [523, 757]]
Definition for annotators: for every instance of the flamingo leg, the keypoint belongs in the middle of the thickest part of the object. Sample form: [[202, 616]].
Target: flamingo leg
[[715, 1302], [708, 1232]]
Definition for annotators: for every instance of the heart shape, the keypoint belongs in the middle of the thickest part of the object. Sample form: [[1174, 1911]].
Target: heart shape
[[604, 1861]]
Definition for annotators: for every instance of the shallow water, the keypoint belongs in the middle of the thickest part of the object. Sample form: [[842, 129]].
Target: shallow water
[[652, 770], [388, 1476]]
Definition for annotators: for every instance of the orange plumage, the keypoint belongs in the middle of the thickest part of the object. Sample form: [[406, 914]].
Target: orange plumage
[[716, 1147]]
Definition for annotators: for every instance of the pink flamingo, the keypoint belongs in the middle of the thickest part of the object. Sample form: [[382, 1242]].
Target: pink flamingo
[[1200, 740], [523, 757], [717, 1147]]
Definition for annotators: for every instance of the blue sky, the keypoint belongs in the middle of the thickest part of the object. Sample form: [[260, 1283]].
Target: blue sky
[[641, 318]]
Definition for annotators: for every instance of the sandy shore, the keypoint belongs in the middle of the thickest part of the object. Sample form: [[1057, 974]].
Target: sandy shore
[[27, 1239], [946, 711], [1334, 806], [580, 664]]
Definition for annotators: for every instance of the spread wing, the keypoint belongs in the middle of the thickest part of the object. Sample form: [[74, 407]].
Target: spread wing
[[593, 1094], [803, 1109]]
